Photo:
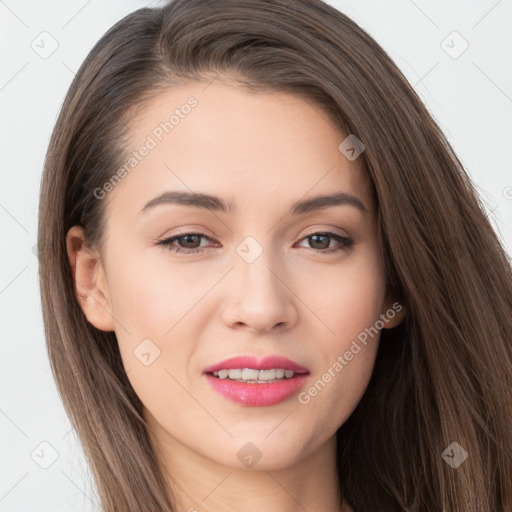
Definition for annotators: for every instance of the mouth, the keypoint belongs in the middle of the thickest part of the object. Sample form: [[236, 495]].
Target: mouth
[[254, 376], [252, 382]]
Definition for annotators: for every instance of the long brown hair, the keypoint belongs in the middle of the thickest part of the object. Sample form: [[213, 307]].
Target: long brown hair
[[444, 375]]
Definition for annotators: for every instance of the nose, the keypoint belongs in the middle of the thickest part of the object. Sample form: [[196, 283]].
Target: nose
[[260, 297]]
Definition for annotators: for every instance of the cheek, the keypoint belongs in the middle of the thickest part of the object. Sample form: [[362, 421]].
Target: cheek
[[350, 310], [149, 295], [347, 297], [152, 300], [359, 305], [148, 302]]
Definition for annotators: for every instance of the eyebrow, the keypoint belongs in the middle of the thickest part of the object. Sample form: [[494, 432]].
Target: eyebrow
[[216, 204]]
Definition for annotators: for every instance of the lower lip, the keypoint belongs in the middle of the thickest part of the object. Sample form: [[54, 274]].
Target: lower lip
[[257, 395]]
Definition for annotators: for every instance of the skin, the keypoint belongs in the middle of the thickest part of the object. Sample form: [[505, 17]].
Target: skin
[[263, 152]]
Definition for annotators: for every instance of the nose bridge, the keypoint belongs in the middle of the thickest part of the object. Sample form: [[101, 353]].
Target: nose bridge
[[257, 266], [260, 299]]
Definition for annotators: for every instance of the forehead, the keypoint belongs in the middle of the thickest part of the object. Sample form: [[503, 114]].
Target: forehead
[[248, 148]]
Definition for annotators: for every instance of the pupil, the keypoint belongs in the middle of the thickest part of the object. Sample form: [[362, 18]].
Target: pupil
[[323, 246], [188, 237]]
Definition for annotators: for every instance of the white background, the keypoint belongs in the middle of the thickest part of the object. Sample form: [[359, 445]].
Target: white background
[[469, 96]]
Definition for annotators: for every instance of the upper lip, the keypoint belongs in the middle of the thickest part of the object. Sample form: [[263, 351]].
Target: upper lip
[[266, 363]]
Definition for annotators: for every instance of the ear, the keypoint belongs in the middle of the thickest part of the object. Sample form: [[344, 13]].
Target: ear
[[394, 311], [89, 280]]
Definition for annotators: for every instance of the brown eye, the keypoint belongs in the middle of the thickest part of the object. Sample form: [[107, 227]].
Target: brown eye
[[320, 242], [188, 242]]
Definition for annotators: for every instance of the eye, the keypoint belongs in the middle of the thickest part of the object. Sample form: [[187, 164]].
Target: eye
[[187, 242], [190, 242], [321, 246]]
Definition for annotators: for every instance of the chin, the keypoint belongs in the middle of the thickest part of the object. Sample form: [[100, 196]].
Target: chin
[[260, 453]]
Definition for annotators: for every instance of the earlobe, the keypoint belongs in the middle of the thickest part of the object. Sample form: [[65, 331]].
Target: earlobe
[[90, 285], [394, 313]]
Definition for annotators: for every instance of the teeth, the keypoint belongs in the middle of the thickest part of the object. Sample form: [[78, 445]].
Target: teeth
[[235, 374], [266, 375], [249, 374]]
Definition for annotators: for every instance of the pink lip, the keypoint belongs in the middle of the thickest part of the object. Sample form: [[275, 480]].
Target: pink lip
[[253, 394], [267, 363]]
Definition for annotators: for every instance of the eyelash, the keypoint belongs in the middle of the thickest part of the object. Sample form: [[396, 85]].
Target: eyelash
[[344, 241]]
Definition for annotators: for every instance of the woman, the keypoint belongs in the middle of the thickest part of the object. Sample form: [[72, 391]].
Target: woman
[[267, 280]]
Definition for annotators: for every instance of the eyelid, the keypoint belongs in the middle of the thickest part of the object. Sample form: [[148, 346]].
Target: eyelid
[[328, 230], [191, 231], [188, 230]]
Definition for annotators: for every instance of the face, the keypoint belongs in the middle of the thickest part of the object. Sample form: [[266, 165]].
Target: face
[[186, 287]]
